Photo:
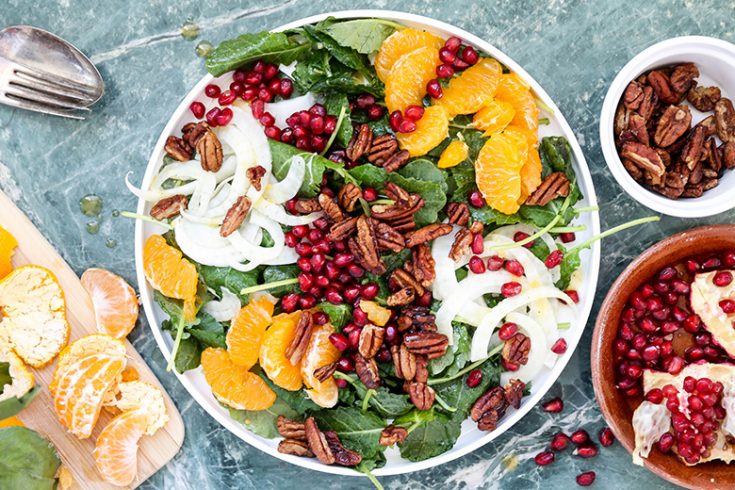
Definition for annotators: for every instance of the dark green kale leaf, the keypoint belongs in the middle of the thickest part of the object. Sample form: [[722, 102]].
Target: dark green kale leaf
[[458, 395], [5, 378], [334, 104], [382, 400], [456, 357], [339, 315], [345, 55], [263, 422], [358, 430], [298, 401], [272, 47], [217, 278], [208, 331], [274, 273], [431, 433], [282, 153], [189, 354], [363, 35]]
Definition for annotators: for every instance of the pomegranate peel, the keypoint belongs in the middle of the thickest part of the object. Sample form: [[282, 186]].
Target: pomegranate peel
[[706, 297]]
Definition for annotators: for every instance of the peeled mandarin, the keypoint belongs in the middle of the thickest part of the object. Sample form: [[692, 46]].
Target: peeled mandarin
[[234, 385], [431, 130], [473, 89], [514, 90], [494, 117], [400, 43], [454, 154], [272, 355], [497, 173], [246, 331], [406, 84]]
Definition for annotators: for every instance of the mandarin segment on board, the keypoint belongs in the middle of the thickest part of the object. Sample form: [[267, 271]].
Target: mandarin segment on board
[[494, 117], [431, 130], [400, 43], [406, 84], [472, 89], [116, 449], [273, 358], [114, 301], [455, 153], [497, 174], [170, 273], [247, 329], [8, 243], [319, 353], [514, 90], [234, 385]]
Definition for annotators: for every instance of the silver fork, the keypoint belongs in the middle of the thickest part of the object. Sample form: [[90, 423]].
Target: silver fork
[[29, 88]]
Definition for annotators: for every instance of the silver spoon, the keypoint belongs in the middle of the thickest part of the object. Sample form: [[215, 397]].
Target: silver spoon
[[41, 72]]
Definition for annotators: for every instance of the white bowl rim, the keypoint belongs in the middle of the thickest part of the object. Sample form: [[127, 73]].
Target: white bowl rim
[[591, 274], [682, 208]]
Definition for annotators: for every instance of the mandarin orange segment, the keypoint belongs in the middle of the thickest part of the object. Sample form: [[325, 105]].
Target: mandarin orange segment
[[247, 330], [234, 385], [115, 303], [11, 422], [320, 352], [455, 153], [497, 173], [494, 117], [514, 90], [96, 343], [170, 273], [406, 84], [7, 246], [431, 129], [530, 175], [400, 43], [472, 89], [116, 450], [273, 358]]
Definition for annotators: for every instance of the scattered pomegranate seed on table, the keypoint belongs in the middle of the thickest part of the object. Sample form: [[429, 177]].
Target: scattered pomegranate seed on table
[[545, 458], [554, 405], [559, 347], [586, 451], [607, 438], [579, 437], [586, 479], [560, 441]]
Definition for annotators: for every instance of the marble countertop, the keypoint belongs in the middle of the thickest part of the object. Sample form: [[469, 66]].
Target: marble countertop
[[573, 48]]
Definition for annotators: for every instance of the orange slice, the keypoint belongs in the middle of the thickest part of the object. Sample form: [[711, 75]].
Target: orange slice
[[494, 117], [7, 245], [247, 330], [497, 173], [234, 385], [116, 450], [473, 89], [273, 358], [115, 303], [170, 273], [431, 129], [320, 352], [400, 43], [96, 343], [455, 153], [377, 314], [514, 90], [34, 310], [406, 84]]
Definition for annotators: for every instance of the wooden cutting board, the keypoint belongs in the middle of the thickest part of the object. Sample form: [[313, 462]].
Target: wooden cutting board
[[155, 451]]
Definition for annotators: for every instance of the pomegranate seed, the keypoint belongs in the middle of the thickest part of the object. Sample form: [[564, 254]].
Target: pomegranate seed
[[434, 89], [287, 135], [477, 265], [274, 87], [289, 302], [384, 355], [355, 271], [414, 112], [365, 100], [507, 331], [478, 244], [586, 451], [249, 93], [354, 338], [495, 263], [345, 364], [674, 365], [445, 71], [586, 479], [447, 55], [544, 458], [693, 266], [253, 78], [691, 323], [510, 289], [727, 306], [559, 347], [306, 281], [303, 249], [375, 112], [369, 194], [723, 279], [237, 87], [285, 88], [224, 117], [341, 383], [391, 335], [475, 199], [351, 293], [320, 318], [267, 119], [606, 437], [469, 55], [290, 239], [339, 341], [197, 108], [560, 441], [265, 95], [273, 133], [680, 286], [460, 64], [317, 125], [212, 91], [712, 263], [318, 110], [667, 274], [474, 378], [666, 442], [212, 115], [270, 71], [453, 44], [257, 107], [655, 396], [330, 124], [370, 291], [554, 259], [580, 437], [395, 120], [729, 259], [360, 317], [227, 97], [648, 325], [646, 291], [554, 405], [519, 236], [567, 237], [407, 126], [515, 268]]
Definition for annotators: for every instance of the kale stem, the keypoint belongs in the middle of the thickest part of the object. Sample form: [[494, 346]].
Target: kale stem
[[142, 217], [461, 126], [567, 229], [612, 231], [444, 404], [587, 209], [340, 118], [372, 478], [474, 365], [543, 106], [177, 342], [386, 202], [366, 401], [268, 285]]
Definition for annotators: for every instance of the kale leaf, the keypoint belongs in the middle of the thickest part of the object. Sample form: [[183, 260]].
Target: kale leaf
[[29, 461], [272, 47], [263, 422], [358, 430], [282, 153], [217, 278], [363, 35], [431, 433]]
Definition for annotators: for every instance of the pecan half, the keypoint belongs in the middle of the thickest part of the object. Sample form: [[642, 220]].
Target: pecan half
[[396, 161], [458, 213], [404, 362], [637, 130], [725, 120], [192, 132], [674, 122], [633, 170], [169, 207], [554, 185], [397, 193], [696, 174], [461, 244], [422, 395], [398, 211], [325, 372], [404, 279], [516, 349], [297, 348], [644, 157], [290, 429], [210, 151], [307, 206], [422, 265], [417, 317], [712, 155], [235, 216], [392, 435], [318, 442], [704, 98], [514, 392], [348, 196], [367, 371], [709, 125], [295, 448], [404, 225], [422, 369], [648, 104], [692, 152], [343, 229], [402, 297], [431, 344], [383, 147], [365, 247], [710, 183], [682, 77], [371, 340], [330, 207], [728, 154], [693, 191], [254, 175], [427, 234], [360, 142], [661, 85], [633, 96], [178, 149], [493, 399], [388, 238], [489, 420], [622, 118], [342, 455]]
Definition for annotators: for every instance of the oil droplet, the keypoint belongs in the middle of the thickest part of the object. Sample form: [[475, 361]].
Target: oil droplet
[[203, 49], [189, 30], [111, 243], [115, 213], [93, 227], [510, 462], [91, 205]]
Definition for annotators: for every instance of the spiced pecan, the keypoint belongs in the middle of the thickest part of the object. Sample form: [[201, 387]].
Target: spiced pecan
[[712, 155], [692, 152], [399, 210], [330, 207], [477, 228], [210, 151], [343, 229], [178, 149], [325, 372], [402, 297], [382, 148], [397, 193], [422, 369], [489, 420], [422, 395], [704, 98], [660, 83], [235, 216], [392, 435], [515, 349], [349, 196], [396, 161], [644, 157], [710, 183], [458, 213], [306, 206], [696, 174], [254, 175], [693, 191], [427, 234], [318, 442], [416, 317], [192, 132], [725, 120], [493, 399], [365, 247], [404, 225], [169, 207], [637, 130], [290, 429], [461, 244], [388, 238], [674, 122], [367, 371], [665, 156], [709, 174], [360, 143], [633, 95], [404, 362], [422, 265], [622, 118], [431, 344], [295, 448], [402, 279], [297, 348], [728, 154], [371, 340], [682, 77], [514, 392], [648, 104], [633, 169], [555, 185], [709, 125], [342, 455]]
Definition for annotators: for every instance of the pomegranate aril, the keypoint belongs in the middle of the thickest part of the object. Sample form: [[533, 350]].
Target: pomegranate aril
[[728, 259], [559, 347], [478, 244], [395, 119], [647, 325], [265, 95], [567, 237], [273, 133], [383, 355], [475, 199], [267, 119], [212, 91], [476, 265], [257, 107], [460, 64], [586, 451], [445, 71], [474, 378], [559, 442], [289, 302], [359, 317], [318, 110], [723, 279], [355, 271], [414, 113], [354, 338], [197, 108], [691, 323], [727, 306], [554, 405], [446, 55], [655, 396], [407, 126], [510, 289], [650, 353], [607, 438], [495, 263], [224, 117], [365, 100], [554, 259], [544, 458], [586, 479], [237, 87], [285, 88], [274, 87], [519, 236], [317, 124], [507, 331], [345, 364], [580, 437], [351, 293], [453, 44], [375, 112], [339, 341], [227, 97], [469, 55], [212, 115], [573, 295], [270, 71], [712, 263], [693, 266], [434, 89], [514, 267], [249, 94], [370, 291]]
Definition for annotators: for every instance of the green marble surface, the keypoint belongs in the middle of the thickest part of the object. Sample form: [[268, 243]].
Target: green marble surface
[[573, 48]]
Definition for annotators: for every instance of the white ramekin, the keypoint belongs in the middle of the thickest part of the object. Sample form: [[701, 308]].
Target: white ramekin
[[716, 62]]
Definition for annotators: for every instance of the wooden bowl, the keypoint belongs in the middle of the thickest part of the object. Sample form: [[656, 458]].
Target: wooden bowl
[[616, 409]]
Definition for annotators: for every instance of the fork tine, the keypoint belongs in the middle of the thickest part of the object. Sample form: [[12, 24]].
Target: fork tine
[[51, 88], [36, 96], [44, 76], [32, 106]]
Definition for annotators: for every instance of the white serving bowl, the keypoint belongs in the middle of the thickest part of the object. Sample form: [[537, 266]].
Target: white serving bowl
[[716, 62], [471, 438]]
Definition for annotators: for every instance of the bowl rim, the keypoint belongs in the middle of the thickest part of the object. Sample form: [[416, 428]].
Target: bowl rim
[[601, 390], [592, 273], [688, 208]]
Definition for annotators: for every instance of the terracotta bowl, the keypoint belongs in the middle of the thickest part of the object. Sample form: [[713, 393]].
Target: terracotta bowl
[[618, 410]]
